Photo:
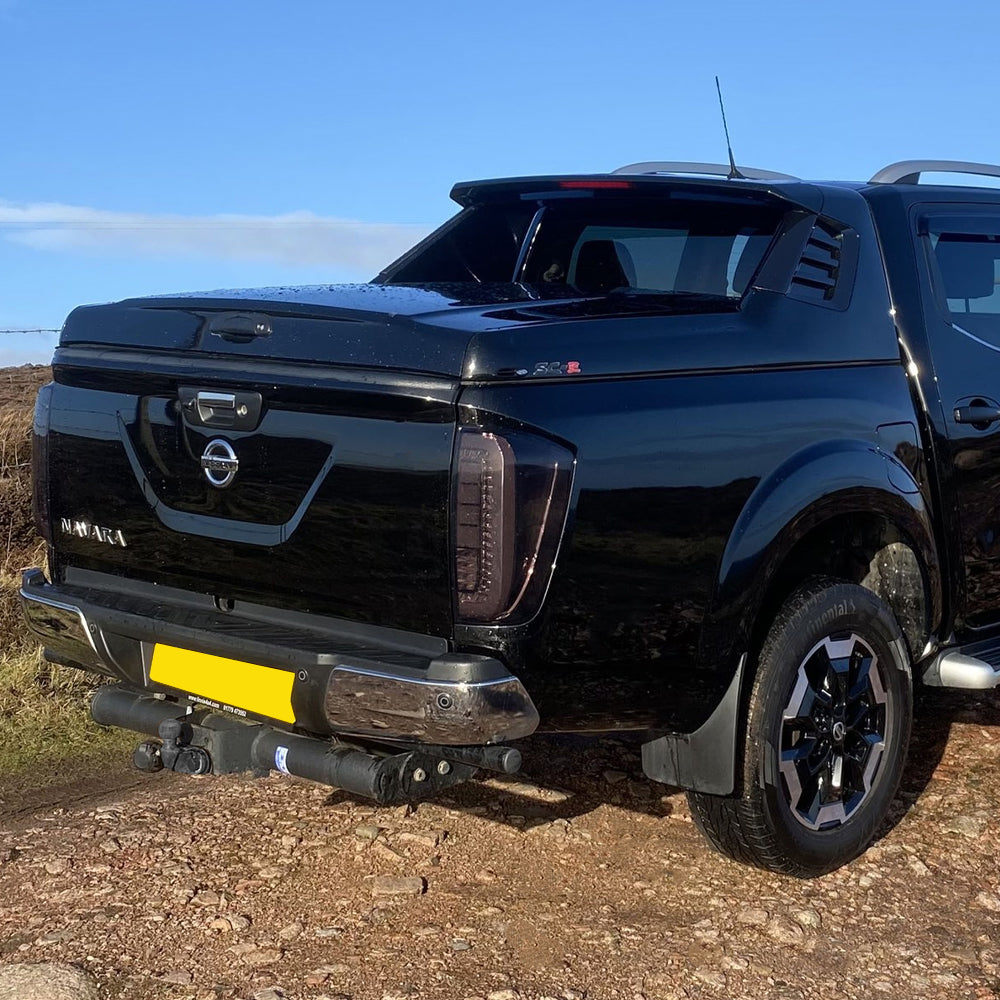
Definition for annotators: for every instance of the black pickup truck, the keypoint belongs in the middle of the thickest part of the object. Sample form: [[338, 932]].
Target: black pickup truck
[[712, 459]]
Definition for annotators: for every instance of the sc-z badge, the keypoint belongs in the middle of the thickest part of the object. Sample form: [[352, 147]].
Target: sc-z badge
[[558, 368]]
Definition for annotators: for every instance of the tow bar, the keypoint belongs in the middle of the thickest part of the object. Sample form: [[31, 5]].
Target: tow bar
[[203, 741]]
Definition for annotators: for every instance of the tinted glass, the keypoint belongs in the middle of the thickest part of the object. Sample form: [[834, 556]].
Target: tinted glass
[[968, 268], [479, 244], [649, 245], [593, 246]]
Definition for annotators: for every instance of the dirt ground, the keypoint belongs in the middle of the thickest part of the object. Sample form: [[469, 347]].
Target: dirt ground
[[576, 879]]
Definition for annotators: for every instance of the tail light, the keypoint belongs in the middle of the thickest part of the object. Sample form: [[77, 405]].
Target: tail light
[[511, 496], [40, 462]]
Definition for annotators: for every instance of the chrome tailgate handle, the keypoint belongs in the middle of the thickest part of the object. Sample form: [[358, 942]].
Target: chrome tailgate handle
[[209, 404], [239, 411]]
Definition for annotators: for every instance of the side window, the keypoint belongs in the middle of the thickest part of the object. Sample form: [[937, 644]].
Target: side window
[[964, 260], [968, 266]]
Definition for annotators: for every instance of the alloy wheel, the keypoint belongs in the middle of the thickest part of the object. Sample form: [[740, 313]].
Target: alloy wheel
[[833, 731]]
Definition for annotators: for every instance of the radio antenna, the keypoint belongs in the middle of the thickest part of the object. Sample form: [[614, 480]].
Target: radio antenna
[[734, 172]]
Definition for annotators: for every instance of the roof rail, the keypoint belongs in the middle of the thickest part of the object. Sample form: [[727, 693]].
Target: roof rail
[[909, 171], [712, 169]]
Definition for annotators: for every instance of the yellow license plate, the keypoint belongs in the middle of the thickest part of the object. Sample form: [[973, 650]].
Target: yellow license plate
[[232, 684]]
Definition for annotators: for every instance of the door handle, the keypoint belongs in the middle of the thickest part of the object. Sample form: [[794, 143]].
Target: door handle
[[979, 416], [240, 328]]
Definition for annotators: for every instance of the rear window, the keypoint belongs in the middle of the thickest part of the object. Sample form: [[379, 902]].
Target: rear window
[[479, 244], [649, 246], [596, 246]]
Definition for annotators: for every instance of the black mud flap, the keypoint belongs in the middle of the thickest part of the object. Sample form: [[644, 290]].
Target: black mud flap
[[705, 760]]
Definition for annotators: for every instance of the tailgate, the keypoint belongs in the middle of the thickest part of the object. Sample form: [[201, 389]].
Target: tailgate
[[222, 467]]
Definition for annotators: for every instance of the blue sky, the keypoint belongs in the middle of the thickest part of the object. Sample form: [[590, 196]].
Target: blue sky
[[216, 143]]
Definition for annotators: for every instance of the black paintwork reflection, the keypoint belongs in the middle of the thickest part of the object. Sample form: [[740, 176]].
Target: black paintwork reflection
[[279, 462], [373, 545], [647, 560], [975, 459], [620, 304], [654, 593], [948, 368]]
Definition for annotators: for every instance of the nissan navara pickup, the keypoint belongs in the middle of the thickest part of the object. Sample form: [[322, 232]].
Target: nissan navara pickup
[[712, 459]]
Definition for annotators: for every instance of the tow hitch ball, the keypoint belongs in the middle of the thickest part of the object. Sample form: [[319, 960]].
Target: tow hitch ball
[[172, 752]]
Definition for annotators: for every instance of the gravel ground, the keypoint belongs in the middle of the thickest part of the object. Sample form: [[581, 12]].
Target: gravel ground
[[579, 879]]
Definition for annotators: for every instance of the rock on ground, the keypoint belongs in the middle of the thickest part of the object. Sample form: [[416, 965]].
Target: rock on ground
[[45, 981]]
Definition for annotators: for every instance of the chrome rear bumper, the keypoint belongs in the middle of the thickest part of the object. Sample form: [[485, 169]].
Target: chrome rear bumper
[[372, 702], [341, 686], [58, 625]]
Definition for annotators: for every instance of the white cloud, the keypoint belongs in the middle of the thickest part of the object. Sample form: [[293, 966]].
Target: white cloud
[[295, 238], [26, 348]]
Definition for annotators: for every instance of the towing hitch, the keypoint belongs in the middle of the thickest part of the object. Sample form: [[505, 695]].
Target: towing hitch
[[172, 751], [202, 741]]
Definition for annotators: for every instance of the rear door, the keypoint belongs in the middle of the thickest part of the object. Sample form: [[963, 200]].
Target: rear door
[[960, 247]]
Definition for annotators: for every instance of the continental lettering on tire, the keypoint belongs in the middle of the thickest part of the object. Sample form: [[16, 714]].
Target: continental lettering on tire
[[841, 609]]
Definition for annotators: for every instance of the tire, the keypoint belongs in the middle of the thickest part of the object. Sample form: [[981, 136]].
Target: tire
[[827, 728]]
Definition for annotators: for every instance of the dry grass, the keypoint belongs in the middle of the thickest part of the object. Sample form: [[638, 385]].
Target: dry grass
[[19, 385], [18, 542], [45, 728], [15, 439], [44, 721]]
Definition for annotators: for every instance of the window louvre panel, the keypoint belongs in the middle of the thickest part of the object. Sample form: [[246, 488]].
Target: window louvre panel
[[816, 275]]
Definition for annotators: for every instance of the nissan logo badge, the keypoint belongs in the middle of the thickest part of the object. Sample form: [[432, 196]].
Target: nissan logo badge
[[219, 463]]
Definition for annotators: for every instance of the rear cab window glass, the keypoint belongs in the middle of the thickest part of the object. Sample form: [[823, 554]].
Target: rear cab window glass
[[479, 245], [587, 246], [649, 245]]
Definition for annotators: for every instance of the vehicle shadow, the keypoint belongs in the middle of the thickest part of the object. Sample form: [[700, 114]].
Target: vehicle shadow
[[569, 775], [562, 777], [566, 776], [935, 713]]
